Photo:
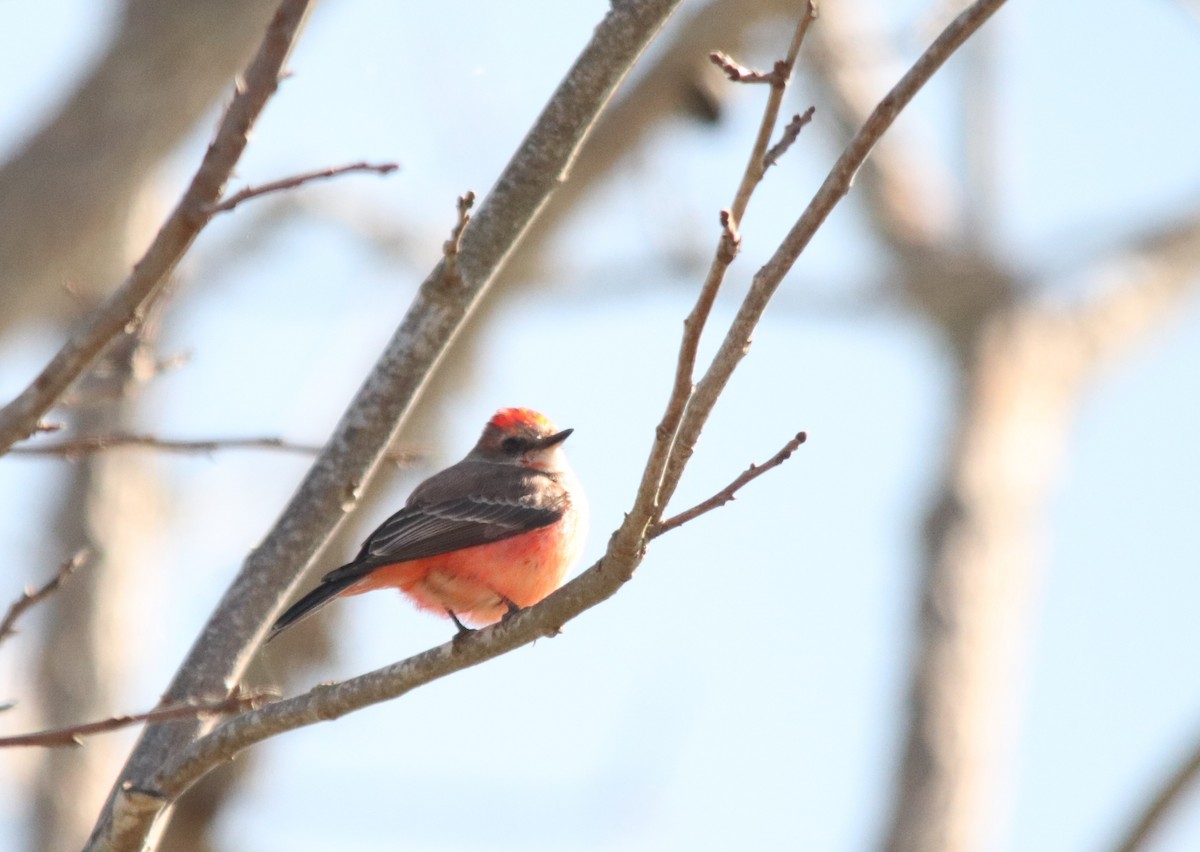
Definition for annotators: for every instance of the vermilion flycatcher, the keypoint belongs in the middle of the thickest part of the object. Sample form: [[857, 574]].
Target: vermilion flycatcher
[[495, 532]]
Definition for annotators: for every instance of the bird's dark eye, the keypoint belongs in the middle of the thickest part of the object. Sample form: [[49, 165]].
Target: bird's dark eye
[[512, 446]]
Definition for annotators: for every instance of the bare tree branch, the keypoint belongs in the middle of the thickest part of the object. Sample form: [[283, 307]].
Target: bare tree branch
[[983, 125], [30, 598], [741, 74], [73, 735], [790, 134], [67, 201], [183, 766], [19, 419], [227, 204], [767, 280], [678, 82], [1022, 379], [666, 436], [729, 491], [334, 700], [452, 246], [911, 197], [76, 447], [779, 77], [257, 594]]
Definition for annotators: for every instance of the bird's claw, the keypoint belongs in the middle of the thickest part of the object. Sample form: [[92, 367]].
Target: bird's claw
[[463, 630], [512, 609]]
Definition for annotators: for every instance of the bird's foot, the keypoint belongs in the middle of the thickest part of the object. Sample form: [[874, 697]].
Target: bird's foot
[[463, 630], [512, 607]]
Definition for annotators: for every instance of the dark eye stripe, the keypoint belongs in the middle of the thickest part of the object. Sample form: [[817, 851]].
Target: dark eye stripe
[[512, 446]]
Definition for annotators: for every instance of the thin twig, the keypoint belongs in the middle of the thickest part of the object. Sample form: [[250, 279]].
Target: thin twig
[[729, 491], [77, 447], [835, 187], [741, 74], [756, 167], [19, 419], [73, 735], [650, 502], [294, 181], [790, 134], [31, 598], [452, 246], [647, 507]]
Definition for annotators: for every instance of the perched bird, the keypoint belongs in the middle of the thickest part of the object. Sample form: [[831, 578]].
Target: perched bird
[[480, 539]]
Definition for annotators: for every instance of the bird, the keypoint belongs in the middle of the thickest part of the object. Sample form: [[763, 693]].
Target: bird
[[483, 538]]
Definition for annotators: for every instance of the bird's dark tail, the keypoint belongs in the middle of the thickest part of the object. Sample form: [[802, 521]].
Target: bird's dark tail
[[310, 603]]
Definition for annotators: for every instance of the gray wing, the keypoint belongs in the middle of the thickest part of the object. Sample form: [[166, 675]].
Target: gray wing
[[422, 529]]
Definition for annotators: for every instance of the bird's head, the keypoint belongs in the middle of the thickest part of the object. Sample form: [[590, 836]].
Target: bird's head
[[521, 436]]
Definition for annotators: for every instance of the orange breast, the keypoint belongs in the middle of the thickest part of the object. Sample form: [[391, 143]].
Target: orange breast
[[474, 582]]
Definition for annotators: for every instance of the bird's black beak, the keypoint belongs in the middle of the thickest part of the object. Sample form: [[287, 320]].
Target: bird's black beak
[[556, 438]]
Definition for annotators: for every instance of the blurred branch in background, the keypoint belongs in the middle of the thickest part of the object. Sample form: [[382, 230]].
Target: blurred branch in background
[[200, 202], [109, 507], [65, 193], [1021, 369], [67, 196]]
